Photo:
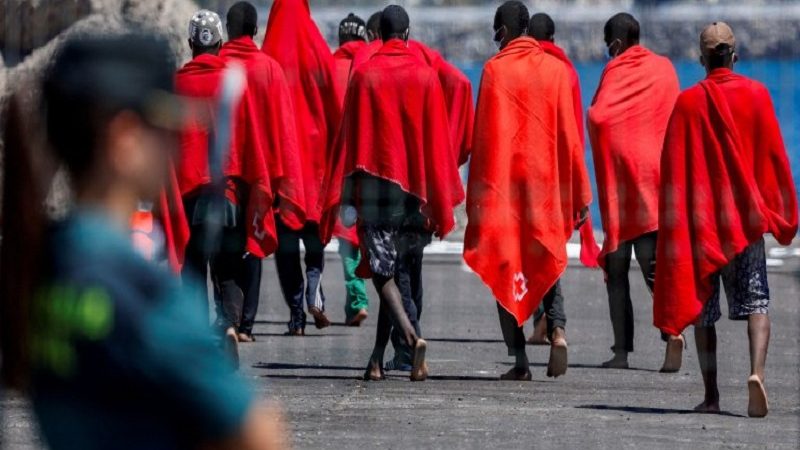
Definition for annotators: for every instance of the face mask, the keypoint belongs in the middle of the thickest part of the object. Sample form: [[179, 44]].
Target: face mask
[[607, 51], [499, 35]]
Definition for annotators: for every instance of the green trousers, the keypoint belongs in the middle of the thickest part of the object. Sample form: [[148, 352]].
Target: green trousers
[[355, 288]]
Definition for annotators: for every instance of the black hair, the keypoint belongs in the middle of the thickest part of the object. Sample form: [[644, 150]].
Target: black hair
[[394, 23], [374, 23], [721, 56], [622, 26], [514, 15], [541, 27], [352, 28], [241, 20]]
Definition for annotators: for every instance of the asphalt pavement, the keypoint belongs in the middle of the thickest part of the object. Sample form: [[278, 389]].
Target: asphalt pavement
[[317, 377]]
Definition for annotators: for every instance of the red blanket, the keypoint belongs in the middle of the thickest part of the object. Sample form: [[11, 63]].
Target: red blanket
[[458, 97], [552, 49], [294, 40], [173, 220], [367, 52], [457, 92], [343, 57], [528, 179], [725, 182], [627, 122], [200, 79], [395, 128], [269, 94]]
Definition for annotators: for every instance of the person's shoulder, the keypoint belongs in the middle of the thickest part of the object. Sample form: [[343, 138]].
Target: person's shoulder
[[758, 88], [689, 99]]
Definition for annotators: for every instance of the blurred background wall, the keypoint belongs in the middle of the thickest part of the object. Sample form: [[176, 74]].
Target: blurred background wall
[[768, 33]]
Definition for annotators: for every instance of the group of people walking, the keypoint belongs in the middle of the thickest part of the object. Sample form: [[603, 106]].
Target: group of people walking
[[365, 145]]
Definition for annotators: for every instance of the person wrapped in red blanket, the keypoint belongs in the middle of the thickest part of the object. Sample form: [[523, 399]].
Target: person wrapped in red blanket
[[272, 102], [725, 181], [542, 28], [627, 122], [352, 39], [294, 41], [528, 186], [249, 225], [396, 176]]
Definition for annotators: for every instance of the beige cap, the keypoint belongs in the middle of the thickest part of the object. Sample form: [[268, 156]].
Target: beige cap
[[716, 34]]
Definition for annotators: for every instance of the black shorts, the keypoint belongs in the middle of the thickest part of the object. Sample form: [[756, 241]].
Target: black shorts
[[385, 244]]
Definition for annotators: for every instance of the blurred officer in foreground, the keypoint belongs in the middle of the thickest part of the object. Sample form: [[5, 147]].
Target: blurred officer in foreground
[[114, 353]]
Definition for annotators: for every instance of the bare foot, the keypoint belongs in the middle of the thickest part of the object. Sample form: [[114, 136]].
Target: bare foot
[[230, 345], [674, 356], [517, 374], [356, 320], [244, 337], [708, 407], [539, 336], [419, 370], [557, 365], [757, 406], [374, 371]]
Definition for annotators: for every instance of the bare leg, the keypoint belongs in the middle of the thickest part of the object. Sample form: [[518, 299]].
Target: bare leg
[[375, 367], [706, 340], [758, 330], [391, 313]]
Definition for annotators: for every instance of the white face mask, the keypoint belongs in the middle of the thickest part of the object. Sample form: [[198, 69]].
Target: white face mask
[[499, 36]]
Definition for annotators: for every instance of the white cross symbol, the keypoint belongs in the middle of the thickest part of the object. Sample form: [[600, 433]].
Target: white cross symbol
[[519, 287]]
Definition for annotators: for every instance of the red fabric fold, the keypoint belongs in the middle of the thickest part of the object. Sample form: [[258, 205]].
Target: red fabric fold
[[627, 122], [200, 80], [395, 128], [457, 91], [552, 49], [272, 103], [173, 220], [725, 182], [295, 42], [528, 180]]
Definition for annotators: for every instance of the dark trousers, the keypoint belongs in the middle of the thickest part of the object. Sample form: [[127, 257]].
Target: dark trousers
[[290, 272], [250, 281], [225, 268], [553, 303], [620, 306], [408, 277]]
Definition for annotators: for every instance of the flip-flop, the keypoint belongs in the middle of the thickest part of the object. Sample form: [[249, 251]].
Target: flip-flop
[[757, 406], [418, 369], [557, 365]]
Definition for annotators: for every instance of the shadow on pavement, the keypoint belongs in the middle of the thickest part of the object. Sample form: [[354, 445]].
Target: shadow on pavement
[[298, 337], [311, 377], [286, 366], [278, 322], [646, 410], [583, 366], [465, 340]]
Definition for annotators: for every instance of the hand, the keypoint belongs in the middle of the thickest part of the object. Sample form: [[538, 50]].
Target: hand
[[348, 215]]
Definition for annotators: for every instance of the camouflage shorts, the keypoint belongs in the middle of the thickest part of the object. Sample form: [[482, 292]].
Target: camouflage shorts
[[385, 244], [746, 288]]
